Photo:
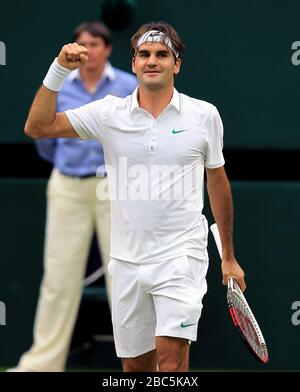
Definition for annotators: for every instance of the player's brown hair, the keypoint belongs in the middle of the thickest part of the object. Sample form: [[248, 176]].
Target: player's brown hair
[[163, 27]]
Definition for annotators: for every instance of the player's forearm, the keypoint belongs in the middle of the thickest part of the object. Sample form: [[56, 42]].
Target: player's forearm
[[42, 116], [222, 207], [42, 113]]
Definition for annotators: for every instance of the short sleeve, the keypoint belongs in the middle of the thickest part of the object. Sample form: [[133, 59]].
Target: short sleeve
[[89, 120], [214, 153]]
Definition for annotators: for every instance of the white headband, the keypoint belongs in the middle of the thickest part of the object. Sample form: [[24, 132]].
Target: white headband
[[157, 36]]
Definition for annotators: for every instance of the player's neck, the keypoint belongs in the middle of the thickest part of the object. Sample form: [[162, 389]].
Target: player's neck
[[155, 101]]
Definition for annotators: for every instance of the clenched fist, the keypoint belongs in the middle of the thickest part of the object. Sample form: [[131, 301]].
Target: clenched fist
[[72, 56]]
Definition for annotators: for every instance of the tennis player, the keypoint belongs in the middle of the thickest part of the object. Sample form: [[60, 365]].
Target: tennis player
[[157, 143]]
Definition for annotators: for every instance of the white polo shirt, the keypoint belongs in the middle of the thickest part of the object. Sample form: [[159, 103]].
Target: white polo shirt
[[156, 172]]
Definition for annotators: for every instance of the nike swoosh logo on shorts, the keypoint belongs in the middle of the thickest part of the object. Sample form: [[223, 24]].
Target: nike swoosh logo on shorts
[[185, 325]]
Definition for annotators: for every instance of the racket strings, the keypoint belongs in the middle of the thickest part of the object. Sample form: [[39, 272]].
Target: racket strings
[[248, 325]]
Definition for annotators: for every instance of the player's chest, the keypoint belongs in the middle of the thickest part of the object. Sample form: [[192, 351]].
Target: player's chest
[[174, 141]]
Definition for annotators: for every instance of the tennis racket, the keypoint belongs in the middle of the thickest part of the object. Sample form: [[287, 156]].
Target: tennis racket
[[241, 314]]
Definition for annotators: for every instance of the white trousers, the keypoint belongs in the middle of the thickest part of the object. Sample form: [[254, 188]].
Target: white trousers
[[73, 213]]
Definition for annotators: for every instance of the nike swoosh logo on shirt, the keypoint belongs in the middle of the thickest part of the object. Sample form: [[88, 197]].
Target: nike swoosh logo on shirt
[[178, 131]]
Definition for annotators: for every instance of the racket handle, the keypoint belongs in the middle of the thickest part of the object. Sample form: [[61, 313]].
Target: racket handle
[[214, 229], [216, 234]]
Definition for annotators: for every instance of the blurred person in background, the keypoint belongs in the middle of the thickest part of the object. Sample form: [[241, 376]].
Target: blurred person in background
[[74, 212]]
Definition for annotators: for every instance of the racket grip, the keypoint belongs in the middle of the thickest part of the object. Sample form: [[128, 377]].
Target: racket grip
[[216, 234]]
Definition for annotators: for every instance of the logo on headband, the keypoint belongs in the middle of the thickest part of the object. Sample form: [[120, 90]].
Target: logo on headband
[[157, 36]]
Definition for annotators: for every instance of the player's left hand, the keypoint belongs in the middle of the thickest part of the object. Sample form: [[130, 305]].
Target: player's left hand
[[231, 269]]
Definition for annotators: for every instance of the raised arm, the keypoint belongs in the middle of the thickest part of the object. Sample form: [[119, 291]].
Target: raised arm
[[221, 204], [43, 121]]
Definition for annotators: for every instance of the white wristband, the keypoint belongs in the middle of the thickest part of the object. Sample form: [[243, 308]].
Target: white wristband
[[56, 76]]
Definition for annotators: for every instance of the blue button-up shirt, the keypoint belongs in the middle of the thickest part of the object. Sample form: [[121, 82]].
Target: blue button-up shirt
[[71, 156]]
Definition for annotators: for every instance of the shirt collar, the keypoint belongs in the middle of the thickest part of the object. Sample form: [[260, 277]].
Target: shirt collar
[[175, 101], [108, 73]]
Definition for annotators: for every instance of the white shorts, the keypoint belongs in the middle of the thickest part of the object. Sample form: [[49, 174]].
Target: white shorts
[[159, 299]]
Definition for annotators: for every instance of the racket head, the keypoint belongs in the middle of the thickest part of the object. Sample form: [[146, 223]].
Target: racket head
[[245, 322]]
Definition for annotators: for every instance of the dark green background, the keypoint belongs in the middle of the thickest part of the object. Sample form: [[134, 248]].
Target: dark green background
[[238, 57]]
